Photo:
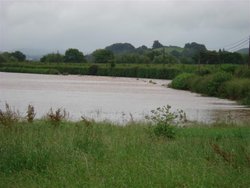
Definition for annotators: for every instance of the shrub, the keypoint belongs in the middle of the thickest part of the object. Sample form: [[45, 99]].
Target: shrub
[[166, 121], [209, 84], [242, 72], [237, 89], [203, 71], [214, 82], [182, 81]]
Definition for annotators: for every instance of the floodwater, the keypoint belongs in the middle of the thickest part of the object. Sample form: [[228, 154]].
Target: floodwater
[[110, 98]]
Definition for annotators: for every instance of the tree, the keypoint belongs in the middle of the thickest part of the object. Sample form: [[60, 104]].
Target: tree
[[2, 59], [103, 56], [157, 44], [175, 53], [193, 49], [52, 57], [141, 50], [74, 56], [18, 55]]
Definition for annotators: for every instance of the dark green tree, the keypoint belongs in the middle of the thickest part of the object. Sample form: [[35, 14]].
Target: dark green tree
[[193, 49], [2, 59], [52, 57], [157, 44], [18, 55], [103, 56], [74, 56]]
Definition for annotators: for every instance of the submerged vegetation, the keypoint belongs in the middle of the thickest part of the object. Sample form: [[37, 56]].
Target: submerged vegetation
[[90, 154]]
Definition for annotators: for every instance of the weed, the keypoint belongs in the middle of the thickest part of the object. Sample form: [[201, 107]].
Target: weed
[[166, 121], [30, 114], [56, 117], [9, 116], [86, 121]]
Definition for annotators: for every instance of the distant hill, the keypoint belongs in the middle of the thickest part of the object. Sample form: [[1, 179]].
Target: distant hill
[[243, 51], [120, 48]]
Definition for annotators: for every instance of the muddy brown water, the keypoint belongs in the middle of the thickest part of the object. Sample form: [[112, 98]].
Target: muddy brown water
[[110, 98]]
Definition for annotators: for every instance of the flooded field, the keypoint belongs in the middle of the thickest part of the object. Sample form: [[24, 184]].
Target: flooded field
[[111, 98]]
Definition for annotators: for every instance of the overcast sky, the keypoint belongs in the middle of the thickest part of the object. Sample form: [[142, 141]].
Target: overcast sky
[[51, 25]]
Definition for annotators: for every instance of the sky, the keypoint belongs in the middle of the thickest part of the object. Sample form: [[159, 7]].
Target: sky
[[42, 26]]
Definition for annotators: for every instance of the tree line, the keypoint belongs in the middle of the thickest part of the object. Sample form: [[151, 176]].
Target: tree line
[[191, 53]]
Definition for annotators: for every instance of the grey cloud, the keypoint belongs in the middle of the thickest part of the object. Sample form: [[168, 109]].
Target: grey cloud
[[87, 25]]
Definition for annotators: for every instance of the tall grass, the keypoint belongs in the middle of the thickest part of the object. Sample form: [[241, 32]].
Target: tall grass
[[219, 84], [103, 155], [237, 89]]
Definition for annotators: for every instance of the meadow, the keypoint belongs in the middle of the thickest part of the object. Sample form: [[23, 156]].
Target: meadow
[[53, 152]]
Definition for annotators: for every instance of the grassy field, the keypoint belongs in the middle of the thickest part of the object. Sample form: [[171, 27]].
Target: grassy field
[[78, 154]]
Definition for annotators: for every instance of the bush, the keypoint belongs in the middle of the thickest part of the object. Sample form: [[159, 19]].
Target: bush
[[242, 72], [182, 81], [236, 89], [209, 84], [165, 121]]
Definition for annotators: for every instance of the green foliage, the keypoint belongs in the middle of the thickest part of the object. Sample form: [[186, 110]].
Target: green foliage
[[132, 59], [236, 89], [214, 81], [164, 59], [74, 56], [103, 56], [52, 57], [242, 72], [193, 49], [157, 44], [182, 81], [166, 121], [209, 84], [2, 59], [18, 55], [231, 58]]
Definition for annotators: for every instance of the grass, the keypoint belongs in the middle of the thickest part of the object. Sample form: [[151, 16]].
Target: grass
[[74, 154]]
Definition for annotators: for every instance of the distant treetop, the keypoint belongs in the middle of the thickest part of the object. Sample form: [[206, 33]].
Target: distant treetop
[[74, 56], [157, 44], [196, 46]]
